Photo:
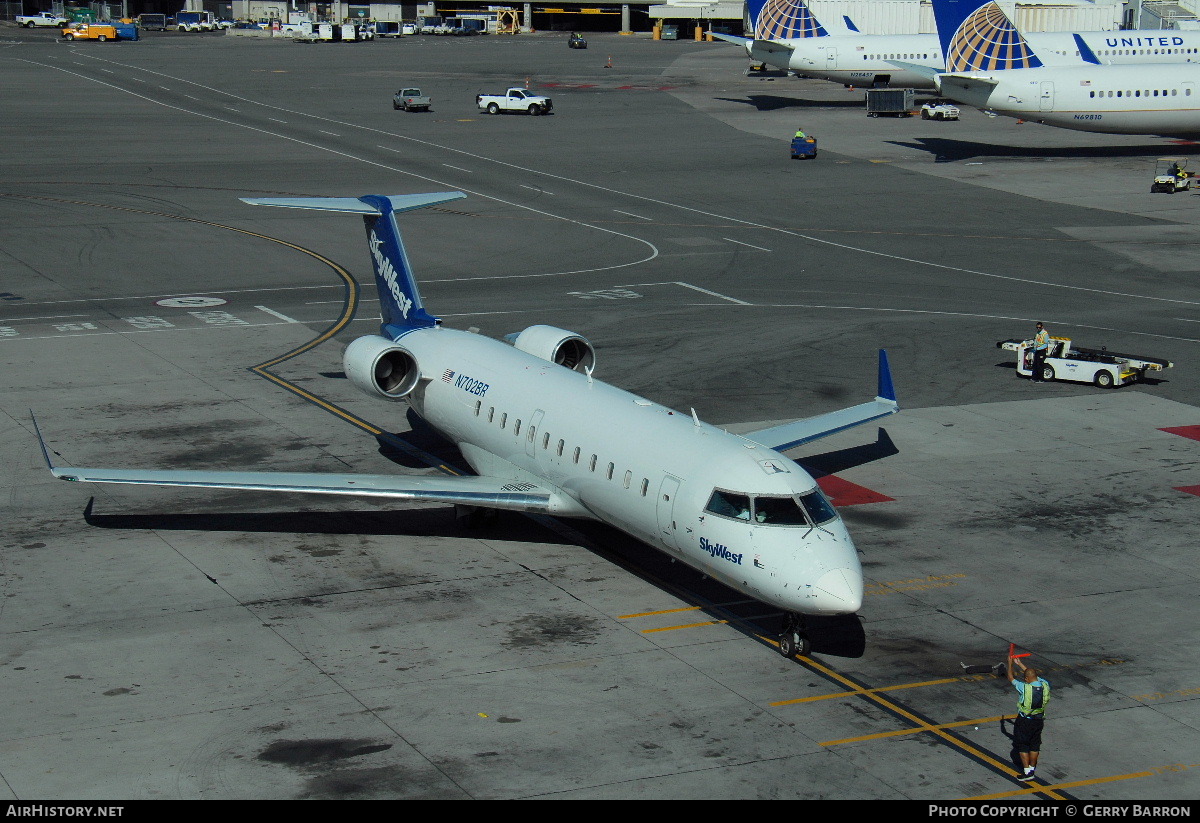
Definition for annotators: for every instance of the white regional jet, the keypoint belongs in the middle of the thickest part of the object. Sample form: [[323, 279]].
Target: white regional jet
[[788, 36], [990, 65], [544, 436]]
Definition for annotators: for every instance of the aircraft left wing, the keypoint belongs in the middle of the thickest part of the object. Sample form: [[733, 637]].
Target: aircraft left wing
[[798, 432], [488, 492]]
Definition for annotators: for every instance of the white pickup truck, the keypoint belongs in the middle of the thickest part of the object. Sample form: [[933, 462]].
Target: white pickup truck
[[514, 99], [43, 18]]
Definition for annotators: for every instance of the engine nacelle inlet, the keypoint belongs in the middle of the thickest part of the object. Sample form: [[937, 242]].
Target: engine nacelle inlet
[[379, 367], [558, 346]]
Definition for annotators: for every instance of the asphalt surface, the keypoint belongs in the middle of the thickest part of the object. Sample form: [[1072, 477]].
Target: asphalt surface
[[165, 643]]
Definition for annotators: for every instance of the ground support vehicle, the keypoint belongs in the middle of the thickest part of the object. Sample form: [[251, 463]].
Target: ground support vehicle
[[577, 41], [1099, 367], [893, 102], [152, 22], [100, 32], [195, 21], [42, 19], [387, 28], [939, 111], [804, 147], [411, 100], [1171, 175], [515, 99]]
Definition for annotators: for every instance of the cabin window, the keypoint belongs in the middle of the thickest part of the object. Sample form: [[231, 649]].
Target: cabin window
[[592, 463], [517, 426], [478, 406], [611, 467], [532, 433], [1173, 92], [561, 445], [503, 419], [729, 504], [818, 508], [546, 441], [491, 413], [576, 454], [628, 478], [645, 485]]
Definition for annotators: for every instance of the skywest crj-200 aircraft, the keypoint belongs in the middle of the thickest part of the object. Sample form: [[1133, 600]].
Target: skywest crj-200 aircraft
[[544, 436], [990, 65], [788, 36]]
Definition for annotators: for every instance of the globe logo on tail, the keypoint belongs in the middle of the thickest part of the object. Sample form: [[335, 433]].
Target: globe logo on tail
[[785, 20], [988, 41]]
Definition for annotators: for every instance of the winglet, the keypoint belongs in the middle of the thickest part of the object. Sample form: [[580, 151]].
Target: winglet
[[1085, 51], [41, 441], [886, 390]]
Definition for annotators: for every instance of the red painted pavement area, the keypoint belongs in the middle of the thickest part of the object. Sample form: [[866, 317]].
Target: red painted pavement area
[[844, 493], [1190, 432], [1188, 489]]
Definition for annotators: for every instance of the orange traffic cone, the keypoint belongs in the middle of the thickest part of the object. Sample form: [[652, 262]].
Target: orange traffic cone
[[608, 65]]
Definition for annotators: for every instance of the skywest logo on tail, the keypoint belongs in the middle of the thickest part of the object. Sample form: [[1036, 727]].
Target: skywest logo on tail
[[387, 274]]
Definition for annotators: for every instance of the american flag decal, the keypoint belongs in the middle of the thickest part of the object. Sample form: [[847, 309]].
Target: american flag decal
[[448, 375]]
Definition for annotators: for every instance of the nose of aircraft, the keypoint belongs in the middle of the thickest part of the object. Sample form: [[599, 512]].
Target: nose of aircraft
[[839, 591]]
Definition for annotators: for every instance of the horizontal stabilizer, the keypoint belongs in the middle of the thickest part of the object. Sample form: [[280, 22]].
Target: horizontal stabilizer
[[353, 205], [916, 68], [799, 432]]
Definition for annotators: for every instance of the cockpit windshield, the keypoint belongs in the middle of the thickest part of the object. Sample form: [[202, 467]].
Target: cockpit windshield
[[818, 508], [811, 509]]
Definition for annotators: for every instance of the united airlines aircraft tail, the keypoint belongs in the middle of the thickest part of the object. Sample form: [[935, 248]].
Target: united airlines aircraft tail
[[400, 303], [976, 35], [783, 20]]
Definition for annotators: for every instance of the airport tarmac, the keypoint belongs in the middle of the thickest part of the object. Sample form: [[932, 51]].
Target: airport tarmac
[[167, 643]]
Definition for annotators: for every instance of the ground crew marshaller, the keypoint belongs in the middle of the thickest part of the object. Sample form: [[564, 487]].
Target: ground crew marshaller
[[1041, 347], [1031, 711]]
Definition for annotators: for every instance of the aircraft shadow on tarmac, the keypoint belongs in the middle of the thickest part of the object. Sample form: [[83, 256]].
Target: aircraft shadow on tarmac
[[948, 150], [771, 102]]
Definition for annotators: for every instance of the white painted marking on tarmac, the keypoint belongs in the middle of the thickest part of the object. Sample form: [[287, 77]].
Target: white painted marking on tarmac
[[274, 313], [276, 119], [460, 168], [189, 97], [190, 302], [46, 317], [712, 293], [335, 134], [631, 214], [535, 188], [740, 243]]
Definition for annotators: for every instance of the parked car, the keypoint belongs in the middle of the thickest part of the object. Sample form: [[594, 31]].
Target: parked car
[[576, 41], [411, 100], [408, 28]]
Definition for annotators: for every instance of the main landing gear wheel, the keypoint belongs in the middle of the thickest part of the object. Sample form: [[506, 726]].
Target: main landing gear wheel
[[793, 640]]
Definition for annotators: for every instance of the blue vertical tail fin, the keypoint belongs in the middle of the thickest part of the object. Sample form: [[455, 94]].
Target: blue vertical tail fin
[[400, 304], [783, 20], [976, 35]]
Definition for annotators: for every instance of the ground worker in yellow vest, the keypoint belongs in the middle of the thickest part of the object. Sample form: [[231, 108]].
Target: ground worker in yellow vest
[[800, 135], [1041, 347], [1031, 712]]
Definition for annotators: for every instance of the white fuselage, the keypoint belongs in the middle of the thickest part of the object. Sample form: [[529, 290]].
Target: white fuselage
[[634, 464], [1160, 99], [867, 59]]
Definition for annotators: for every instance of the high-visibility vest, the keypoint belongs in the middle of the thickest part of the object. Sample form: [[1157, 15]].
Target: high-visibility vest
[[1041, 340], [1034, 697]]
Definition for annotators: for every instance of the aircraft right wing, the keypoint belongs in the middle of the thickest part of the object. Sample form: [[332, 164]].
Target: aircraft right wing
[[790, 435], [489, 492]]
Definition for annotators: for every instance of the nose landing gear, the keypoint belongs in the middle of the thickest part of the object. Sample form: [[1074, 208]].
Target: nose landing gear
[[793, 640]]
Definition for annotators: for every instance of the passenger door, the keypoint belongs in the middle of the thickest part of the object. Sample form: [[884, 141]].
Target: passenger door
[[667, 530]]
